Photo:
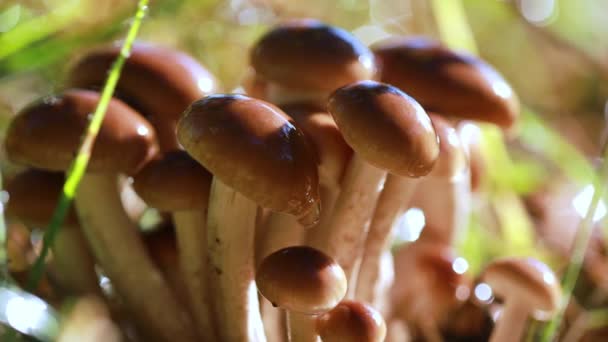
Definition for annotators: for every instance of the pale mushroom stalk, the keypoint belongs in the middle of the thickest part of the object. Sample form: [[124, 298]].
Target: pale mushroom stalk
[[391, 205], [120, 252], [301, 327], [230, 238], [511, 323]]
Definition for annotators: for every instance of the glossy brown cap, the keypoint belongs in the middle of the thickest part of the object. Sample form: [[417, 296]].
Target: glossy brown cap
[[352, 321], [252, 146], [173, 182], [301, 279], [452, 162], [527, 281], [386, 127], [46, 134], [447, 82], [33, 196], [307, 54], [333, 152], [158, 81]]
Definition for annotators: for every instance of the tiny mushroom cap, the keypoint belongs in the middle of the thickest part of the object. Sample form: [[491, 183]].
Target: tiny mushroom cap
[[447, 82], [253, 147], [173, 182], [307, 54], [46, 134], [452, 162], [33, 196], [526, 280], [386, 126], [301, 279], [351, 321]]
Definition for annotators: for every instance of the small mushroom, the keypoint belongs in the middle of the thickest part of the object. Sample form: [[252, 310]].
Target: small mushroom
[[389, 131], [352, 321], [257, 157], [304, 60], [527, 287]]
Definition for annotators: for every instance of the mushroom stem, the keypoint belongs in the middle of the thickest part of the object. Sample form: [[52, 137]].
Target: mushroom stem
[[120, 252], [73, 264], [191, 234], [301, 327], [391, 204], [272, 317], [230, 240], [511, 323], [346, 228], [429, 329], [282, 230], [280, 95]]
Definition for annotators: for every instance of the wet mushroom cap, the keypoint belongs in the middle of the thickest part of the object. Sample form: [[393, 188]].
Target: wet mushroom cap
[[301, 279], [386, 126], [528, 280], [307, 54], [452, 161], [351, 321], [47, 133], [252, 146], [173, 182], [447, 82], [33, 197]]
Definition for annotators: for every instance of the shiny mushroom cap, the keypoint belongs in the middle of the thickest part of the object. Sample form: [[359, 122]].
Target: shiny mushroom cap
[[173, 182], [158, 81], [452, 162], [301, 279], [386, 127], [33, 196], [526, 280], [309, 55], [46, 134], [447, 82], [351, 321], [252, 146]]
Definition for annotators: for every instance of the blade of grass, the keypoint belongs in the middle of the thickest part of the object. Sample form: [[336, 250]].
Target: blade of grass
[[79, 164]]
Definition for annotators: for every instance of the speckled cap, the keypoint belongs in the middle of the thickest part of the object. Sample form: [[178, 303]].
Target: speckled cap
[[386, 127], [47, 133], [447, 82]]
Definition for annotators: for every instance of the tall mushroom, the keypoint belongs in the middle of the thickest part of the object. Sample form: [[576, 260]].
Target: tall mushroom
[[352, 321], [388, 130], [527, 287], [176, 183], [33, 198], [45, 135], [257, 157], [303, 281], [157, 81]]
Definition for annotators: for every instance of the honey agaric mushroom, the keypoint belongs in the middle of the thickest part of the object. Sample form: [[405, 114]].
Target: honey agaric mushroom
[[445, 193], [432, 284], [447, 82], [33, 198], [388, 130], [178, 184], [527, 287], [303, 281], [304, 60], [45, 135], [257, 157], [157, 81], [352, 321]]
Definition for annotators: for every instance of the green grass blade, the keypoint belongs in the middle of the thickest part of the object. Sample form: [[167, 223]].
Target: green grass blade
[[79, 164]]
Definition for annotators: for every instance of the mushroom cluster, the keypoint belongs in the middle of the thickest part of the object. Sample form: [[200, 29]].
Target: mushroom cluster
[[280, 203]]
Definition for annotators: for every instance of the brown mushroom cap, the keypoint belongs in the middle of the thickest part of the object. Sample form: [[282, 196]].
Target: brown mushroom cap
[[386, 126], [447, 82], [352, 321], [452, 161], [301, 279], [251, 146], [173, 182], [33, 197], [526, 280], [47, 133], [307, 54]]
